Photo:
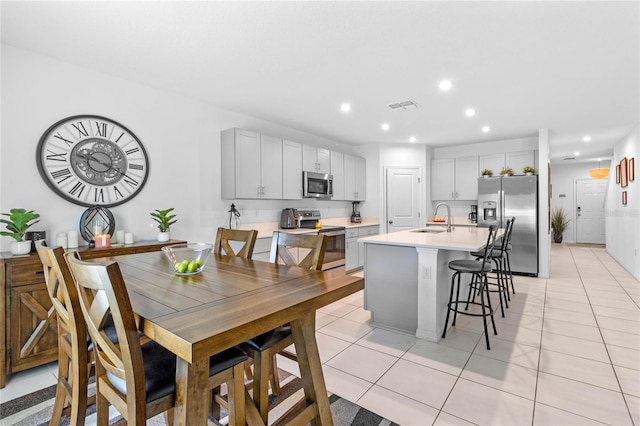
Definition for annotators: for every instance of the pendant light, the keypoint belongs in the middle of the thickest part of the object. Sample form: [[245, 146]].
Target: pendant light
[[599, 173]]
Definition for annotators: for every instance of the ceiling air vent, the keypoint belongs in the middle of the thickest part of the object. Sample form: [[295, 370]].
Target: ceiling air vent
[[404, 105], [569, 158]]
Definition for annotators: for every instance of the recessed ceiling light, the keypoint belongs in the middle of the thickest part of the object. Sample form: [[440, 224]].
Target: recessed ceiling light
[[412, 139], [599, 159], [470, 112], [385, 126], [486, 129], [587, 138], [576, 153], [445, 85], [345, 107]]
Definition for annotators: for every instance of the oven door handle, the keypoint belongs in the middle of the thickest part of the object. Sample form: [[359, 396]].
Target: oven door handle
[[332, 233]]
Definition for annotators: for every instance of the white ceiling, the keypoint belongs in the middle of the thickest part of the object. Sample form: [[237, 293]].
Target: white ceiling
[[571, 67]]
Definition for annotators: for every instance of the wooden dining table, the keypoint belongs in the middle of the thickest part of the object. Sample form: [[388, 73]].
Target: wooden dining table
[[232, 300]]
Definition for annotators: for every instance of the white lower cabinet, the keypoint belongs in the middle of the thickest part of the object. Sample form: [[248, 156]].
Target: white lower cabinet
[[354, 256], [261, 249]]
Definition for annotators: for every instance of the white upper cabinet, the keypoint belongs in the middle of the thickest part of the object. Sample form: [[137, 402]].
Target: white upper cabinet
[[455, 179], [316, 159], [493, 162], [337, 171], [255, 166], [361, 179], [355, 180], [251, 165], [467, 178], [518, 160], [292, 170], [443, 179]]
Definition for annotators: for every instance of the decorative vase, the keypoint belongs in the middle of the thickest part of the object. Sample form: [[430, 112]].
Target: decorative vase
[[163, 237], [20, 247], [528, 174], [557, 238]]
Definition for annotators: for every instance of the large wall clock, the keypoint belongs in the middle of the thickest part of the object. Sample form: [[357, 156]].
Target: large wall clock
[[92, 160]]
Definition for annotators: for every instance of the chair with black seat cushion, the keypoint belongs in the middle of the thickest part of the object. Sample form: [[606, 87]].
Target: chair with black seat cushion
[[499, 257], [478, 270], [264, 348], [138, 380], [225, 237], [74, 361]]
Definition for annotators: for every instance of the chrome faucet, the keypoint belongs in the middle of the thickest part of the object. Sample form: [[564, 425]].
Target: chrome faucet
[[449, 220]]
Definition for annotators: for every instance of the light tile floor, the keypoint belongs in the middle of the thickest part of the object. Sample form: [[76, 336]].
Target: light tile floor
[[567, 353]]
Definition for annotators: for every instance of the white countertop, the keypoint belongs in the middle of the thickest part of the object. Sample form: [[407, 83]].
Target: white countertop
[[456, 221], [266, 229], [461, 238]]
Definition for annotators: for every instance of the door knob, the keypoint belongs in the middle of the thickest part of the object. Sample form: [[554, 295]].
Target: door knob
[[390, 222]]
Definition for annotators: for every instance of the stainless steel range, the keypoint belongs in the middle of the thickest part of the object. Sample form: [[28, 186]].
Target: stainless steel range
[[334, 256]]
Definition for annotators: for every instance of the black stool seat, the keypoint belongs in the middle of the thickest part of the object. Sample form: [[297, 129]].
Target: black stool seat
[[470, 266], [478, 270]]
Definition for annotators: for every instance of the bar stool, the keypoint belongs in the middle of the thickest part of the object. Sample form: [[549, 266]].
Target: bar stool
[[499, 258], [508, 260], [478, 270]]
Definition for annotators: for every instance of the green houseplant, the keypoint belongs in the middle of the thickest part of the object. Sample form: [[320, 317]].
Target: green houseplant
[[486, 172], [559, 222], [165, 219], [507, 171], [529, 170], [19, 221]]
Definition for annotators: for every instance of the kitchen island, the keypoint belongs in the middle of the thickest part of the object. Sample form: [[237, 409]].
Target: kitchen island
[[407, 279]]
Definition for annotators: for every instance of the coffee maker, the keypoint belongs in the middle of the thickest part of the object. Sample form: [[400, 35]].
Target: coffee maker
[[355, 214], [473, 216]]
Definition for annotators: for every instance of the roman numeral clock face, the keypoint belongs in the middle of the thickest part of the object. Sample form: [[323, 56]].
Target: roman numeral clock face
[[91, 160]]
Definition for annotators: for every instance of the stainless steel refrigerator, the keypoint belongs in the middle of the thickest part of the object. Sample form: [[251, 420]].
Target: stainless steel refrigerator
[[501, 198]]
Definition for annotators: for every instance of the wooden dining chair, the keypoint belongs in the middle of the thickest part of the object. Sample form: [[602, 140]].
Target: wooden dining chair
[[225, 237], [138, 380], [74, 360], [285, 248]]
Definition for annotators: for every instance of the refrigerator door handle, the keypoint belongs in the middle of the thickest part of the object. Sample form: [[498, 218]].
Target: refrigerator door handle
[[501, 213]]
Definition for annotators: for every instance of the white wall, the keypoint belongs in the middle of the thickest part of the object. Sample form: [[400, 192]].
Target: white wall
[[623, 222], [181, 135]]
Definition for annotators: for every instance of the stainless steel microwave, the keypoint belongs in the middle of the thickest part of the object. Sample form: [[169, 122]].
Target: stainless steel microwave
[[317, 185]]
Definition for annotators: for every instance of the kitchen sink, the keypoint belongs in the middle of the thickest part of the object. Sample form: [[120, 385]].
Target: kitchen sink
[[430, 230]]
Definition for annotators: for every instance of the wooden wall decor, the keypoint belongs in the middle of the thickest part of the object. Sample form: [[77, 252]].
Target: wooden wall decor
[[624, 174], [617, 173], [632, 172], [624, 198]]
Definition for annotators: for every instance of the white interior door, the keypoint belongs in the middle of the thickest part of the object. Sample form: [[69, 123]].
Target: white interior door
[[590, 210], [402, 198]]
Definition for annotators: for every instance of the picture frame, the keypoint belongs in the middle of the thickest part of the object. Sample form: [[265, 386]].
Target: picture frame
[[632, 172], [624, 174], [617, 173], [624, 198]]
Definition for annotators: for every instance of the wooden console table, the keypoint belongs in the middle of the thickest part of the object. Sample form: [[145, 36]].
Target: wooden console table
[[27, 321]]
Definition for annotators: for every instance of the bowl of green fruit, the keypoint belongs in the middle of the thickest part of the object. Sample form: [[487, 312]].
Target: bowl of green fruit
[[188, 259]]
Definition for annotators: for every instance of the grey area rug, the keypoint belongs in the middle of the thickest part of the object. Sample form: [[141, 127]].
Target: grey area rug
[[35, 408]]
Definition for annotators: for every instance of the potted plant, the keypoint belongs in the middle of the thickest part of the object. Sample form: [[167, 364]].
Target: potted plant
[[486, 173], [165, 219], [19, 221], [507, 171], [528, 170], [559, 222]]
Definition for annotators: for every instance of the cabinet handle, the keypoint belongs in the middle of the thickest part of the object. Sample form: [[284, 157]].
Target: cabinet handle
[[39, 272]]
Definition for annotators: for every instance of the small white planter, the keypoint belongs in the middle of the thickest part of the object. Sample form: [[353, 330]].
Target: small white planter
[[163, 237], [20, 247]]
